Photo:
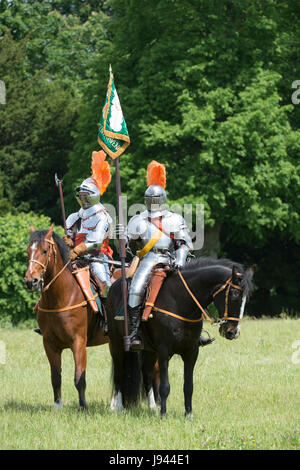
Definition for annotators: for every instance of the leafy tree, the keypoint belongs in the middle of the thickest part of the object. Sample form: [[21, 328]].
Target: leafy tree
[[16, 303], [203, 89], [35, 127], [63, 36]]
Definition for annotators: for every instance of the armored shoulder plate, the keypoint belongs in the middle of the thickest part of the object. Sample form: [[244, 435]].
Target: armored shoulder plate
[[72, 219], [137, 226]]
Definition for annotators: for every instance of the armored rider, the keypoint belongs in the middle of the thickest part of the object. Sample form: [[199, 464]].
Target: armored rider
[[161, 238], [88, 229]]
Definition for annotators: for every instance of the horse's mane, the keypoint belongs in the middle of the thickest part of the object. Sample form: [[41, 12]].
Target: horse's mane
[[39, 235], [204, 262]]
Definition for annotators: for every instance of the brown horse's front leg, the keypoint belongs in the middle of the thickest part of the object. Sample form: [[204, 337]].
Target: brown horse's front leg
[[79, 353], [54, 357]]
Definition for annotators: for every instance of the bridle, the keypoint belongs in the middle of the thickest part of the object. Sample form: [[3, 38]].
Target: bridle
[[228, 284], [44, 266], [44, 289]]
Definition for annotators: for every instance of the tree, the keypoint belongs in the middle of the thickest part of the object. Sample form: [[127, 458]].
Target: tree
[[202, 87], [35, 127], [47, 49], [16, 303]]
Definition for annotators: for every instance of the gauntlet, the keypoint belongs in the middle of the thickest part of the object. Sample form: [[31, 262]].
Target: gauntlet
[[79, 250], [68, 241]]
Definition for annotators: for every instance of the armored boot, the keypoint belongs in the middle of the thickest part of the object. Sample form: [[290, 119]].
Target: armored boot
[[134, 321], [205, 341]]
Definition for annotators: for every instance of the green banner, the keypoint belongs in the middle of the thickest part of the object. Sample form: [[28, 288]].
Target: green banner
[[113, 134]]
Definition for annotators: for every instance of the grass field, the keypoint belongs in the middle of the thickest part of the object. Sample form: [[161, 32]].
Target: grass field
[[246, 396]]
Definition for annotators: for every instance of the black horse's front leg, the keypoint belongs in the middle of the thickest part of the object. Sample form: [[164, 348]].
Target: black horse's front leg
[[148, 362], [189, 364], [164, 388]]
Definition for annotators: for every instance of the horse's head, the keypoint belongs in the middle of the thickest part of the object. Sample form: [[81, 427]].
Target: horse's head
[[230, 299], [39, 253]]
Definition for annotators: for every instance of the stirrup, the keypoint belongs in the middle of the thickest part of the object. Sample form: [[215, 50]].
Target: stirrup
[[136, 344]]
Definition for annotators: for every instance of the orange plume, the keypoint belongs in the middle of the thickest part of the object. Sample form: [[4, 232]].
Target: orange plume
[[156, 174], [100, 170]]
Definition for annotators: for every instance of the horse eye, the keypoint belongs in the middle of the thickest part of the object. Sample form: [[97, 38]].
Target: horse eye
[[45, 252], [235, 295]]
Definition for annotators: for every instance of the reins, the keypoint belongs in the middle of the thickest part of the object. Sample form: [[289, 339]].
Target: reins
[[228, 284]]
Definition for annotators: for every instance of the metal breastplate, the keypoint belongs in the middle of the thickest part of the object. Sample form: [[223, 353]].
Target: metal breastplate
[[140, 228], [94, 225]]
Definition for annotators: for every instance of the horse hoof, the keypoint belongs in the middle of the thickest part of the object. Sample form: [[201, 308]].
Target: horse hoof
[[116, 404], [58, 406], [189, 417], [83, 408]]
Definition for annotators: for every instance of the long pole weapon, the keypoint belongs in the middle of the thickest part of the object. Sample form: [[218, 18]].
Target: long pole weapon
[[122, 249], [59, 184]]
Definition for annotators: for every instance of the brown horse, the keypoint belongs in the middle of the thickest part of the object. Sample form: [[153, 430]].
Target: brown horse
[[65, 318]]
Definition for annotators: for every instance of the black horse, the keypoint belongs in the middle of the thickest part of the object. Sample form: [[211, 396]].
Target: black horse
[[176, 326]]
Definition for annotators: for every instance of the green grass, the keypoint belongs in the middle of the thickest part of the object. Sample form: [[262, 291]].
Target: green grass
[[246, 396]]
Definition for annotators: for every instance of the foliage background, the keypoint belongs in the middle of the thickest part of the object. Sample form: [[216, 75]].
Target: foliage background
[[205, 88], [16, 303]]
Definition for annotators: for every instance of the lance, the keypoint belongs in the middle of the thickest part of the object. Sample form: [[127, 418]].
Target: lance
[[59, 184]]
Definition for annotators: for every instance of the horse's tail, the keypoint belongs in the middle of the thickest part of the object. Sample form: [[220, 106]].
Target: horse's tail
[[132, 379], [126, 366]]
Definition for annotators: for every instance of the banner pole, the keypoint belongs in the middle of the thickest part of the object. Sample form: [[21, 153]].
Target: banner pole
[[122, 254]]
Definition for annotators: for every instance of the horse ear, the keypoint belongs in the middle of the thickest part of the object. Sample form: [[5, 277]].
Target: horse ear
[[50, 231], [236, 275], [32, 229], [250, 272]]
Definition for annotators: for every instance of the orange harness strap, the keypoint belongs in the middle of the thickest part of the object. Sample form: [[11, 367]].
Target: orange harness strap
[[204, 314], [197, 320], [228, 284], [82, 304], [176, 316]]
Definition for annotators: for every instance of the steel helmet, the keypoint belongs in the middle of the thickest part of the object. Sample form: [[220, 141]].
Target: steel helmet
[[88, 194]]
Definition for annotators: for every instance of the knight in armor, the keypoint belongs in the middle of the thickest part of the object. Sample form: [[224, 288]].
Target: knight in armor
[[88, 229], [159, 237]]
